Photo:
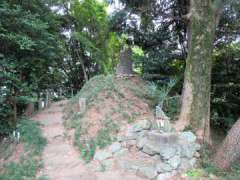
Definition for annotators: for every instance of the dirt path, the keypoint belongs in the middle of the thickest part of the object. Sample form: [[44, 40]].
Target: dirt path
[[61, 160]]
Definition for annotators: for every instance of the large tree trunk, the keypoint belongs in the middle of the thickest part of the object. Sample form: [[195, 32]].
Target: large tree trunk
[[195, 110], [229, 151]]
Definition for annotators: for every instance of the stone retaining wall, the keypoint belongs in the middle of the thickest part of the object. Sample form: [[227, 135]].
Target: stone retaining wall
[[149, 152]]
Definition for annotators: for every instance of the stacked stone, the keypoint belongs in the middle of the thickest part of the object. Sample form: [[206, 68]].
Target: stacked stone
[[161, 155]]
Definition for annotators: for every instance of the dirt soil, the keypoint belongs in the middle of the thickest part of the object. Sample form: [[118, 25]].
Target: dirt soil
[[61, 160]]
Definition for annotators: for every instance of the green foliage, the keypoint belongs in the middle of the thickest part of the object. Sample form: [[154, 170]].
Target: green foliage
[[31, 135], [103, 138], [157, 36], [161, 93], [194, 173], [92, 47], [172, 106], [225, 100], [96, 85], [90, 91], [142, 92], [149, 26], [30, 163], [165, 90], [31, 47], [209, 168], [22, 170]]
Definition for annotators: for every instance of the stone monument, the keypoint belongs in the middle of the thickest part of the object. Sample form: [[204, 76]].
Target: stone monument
[[124, 68]]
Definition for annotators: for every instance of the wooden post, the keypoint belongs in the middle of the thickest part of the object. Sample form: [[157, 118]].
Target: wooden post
[[29, 109], [14, 112], [50, 97], [46, 99], [71, 92], [39, 104], [82, 105], [60, 93]]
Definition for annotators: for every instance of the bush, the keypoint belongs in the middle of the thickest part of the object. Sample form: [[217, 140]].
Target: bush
[[30, 163]]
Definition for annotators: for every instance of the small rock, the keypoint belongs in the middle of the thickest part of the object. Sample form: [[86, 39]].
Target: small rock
[[120, 138], [130, 136], [147, 172], [197, 146], [122, 152], [192, 162], [131, 142], [174, 162], [162, 167], [95, 166], [197, 155], [141, 142], [102, 155], [127, 165], [164, 176], [107, 164], [188, 150], [187, 136], [213, 177], [141, 125], [149, 149], [142, 133], [113, 148], [167, 152], [184, 164], [187, 164], [142, 155], [156, 157]]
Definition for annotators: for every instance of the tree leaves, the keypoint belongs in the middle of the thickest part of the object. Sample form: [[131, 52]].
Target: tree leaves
[[30, 45]]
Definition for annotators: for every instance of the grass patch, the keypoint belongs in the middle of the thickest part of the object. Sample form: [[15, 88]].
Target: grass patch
[[7, 147], [97, 84], [233, 173], [103, 138], [209, 170], [30, 162], [195, 173], [172, 106]]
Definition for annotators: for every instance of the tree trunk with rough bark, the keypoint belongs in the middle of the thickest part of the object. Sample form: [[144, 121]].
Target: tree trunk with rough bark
[[229, 151], [195, 110]]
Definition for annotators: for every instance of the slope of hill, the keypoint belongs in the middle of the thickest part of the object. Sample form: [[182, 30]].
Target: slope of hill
[[111, 103]]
